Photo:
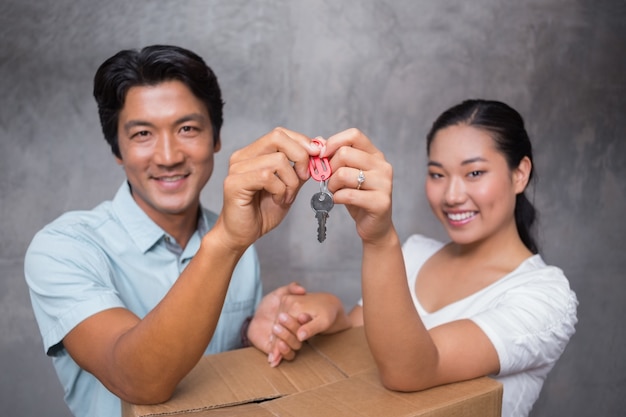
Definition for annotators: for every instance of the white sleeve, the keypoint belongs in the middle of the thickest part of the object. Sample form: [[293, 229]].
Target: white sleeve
[[532, 322]]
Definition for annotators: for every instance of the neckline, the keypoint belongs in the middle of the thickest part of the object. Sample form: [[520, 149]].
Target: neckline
[[423, 311]]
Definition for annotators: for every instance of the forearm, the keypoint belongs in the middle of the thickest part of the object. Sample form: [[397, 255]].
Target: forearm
[[400, 344], [162, 348]]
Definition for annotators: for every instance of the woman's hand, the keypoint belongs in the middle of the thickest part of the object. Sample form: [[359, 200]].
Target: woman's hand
[[361, 180]]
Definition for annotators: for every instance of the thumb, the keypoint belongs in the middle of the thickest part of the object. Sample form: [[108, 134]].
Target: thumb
[[310, 329], [296, 289]]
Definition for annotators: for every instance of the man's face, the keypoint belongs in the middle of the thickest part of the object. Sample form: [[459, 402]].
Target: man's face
[[166, 147]]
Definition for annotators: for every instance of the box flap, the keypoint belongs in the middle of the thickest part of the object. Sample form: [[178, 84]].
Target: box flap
[[241, 376], [348, 350], [363, 395]]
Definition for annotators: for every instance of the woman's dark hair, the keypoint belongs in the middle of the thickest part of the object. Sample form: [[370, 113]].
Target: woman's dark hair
[[506, 126], [148, 67]]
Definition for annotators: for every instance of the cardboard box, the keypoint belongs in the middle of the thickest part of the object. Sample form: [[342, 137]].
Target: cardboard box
[[332, 376]]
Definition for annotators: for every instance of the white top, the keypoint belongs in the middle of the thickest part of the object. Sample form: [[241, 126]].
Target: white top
[[529, 316]]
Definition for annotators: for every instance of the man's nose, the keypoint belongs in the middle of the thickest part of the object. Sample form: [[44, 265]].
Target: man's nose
[[168, 150]]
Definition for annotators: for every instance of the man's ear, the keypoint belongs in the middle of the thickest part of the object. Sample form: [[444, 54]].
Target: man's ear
[[521, 175], [118, 160], [218, 145]]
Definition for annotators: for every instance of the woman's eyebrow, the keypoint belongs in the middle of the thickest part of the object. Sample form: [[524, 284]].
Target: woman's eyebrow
[[472, 160]]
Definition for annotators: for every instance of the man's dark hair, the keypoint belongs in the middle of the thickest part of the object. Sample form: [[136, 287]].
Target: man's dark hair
[[150, 66]]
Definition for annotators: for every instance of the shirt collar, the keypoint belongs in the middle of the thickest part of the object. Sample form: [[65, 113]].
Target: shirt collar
[[141, 228], [144, 232]]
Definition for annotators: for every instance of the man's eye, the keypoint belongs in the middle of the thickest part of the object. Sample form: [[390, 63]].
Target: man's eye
[[141, 134], [187, 129]]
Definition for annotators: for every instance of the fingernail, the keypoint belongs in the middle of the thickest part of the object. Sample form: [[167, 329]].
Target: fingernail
[[301, 335], [270, 357], [277, 328], [282, 317]]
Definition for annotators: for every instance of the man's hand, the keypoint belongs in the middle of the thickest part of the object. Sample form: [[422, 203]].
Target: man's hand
[[262, 183]]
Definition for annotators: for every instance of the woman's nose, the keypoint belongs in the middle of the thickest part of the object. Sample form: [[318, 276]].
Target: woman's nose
[[455, 192]]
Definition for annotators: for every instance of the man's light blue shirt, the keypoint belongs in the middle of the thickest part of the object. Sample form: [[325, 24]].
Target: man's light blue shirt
[[85, 262]]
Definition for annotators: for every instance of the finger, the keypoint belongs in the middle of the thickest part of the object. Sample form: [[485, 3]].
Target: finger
[[241, 188], [274, 358], [310, 329], [271, 172], [348, 183], [352, 138], [296, 146], [285, 330], [295, 289], [281, 351], [304, 318], [291, 288]]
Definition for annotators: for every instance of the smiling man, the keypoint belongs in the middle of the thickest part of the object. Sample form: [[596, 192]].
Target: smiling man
[[128, 296]]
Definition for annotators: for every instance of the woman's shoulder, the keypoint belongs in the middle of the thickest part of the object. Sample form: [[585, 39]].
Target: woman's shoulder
[[536, 283], [535, 269]]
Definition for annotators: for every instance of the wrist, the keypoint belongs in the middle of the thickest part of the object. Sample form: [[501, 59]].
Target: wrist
[[245, 326], [386, 240], [218, 241]]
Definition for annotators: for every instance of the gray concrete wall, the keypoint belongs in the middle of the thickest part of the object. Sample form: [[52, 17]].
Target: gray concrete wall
[[387, 67]]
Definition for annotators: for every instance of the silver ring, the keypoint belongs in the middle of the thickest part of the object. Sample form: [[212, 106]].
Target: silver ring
[[360, 180]]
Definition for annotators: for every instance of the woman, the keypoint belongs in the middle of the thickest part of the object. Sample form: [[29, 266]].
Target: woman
[[485, 303]]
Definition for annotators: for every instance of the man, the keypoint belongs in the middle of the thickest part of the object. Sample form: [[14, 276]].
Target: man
[[128, 296]]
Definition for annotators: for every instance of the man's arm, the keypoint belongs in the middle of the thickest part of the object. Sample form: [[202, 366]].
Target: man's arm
[[143, 360]]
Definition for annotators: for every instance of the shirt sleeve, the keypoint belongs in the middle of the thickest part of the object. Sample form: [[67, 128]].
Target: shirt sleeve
[[69, 281], [531, 323]]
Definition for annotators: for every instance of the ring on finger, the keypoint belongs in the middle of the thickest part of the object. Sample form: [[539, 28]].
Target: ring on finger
[[360, 179]]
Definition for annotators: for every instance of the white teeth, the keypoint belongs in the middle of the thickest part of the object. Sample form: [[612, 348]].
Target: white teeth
[[171, 179], [461, 216]]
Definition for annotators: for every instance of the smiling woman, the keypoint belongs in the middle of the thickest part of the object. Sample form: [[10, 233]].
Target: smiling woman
[[472, 190], [485, 303]]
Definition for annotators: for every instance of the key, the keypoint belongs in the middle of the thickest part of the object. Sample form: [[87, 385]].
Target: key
[[322, 202]]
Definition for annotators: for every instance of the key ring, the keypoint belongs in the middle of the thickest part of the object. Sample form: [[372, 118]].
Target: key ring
[[319, 167]]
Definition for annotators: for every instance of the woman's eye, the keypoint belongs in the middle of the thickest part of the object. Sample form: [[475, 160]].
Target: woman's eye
[[475, 174], [434, 175]]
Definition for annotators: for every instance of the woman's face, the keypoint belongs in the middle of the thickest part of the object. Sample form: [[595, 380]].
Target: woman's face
[[470, 187]]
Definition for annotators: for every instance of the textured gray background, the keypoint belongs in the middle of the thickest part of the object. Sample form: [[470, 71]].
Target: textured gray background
[[387, 67]]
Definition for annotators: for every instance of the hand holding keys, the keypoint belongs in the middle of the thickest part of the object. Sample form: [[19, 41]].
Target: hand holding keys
[[321, 202]]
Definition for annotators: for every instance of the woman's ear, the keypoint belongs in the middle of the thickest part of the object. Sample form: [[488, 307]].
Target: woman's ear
[[521, 175]]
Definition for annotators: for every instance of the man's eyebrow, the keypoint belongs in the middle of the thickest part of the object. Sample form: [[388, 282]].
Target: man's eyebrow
[[192, 117], [134, 123]]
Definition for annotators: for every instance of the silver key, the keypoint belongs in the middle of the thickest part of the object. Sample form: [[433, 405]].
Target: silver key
[[322, 202]]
